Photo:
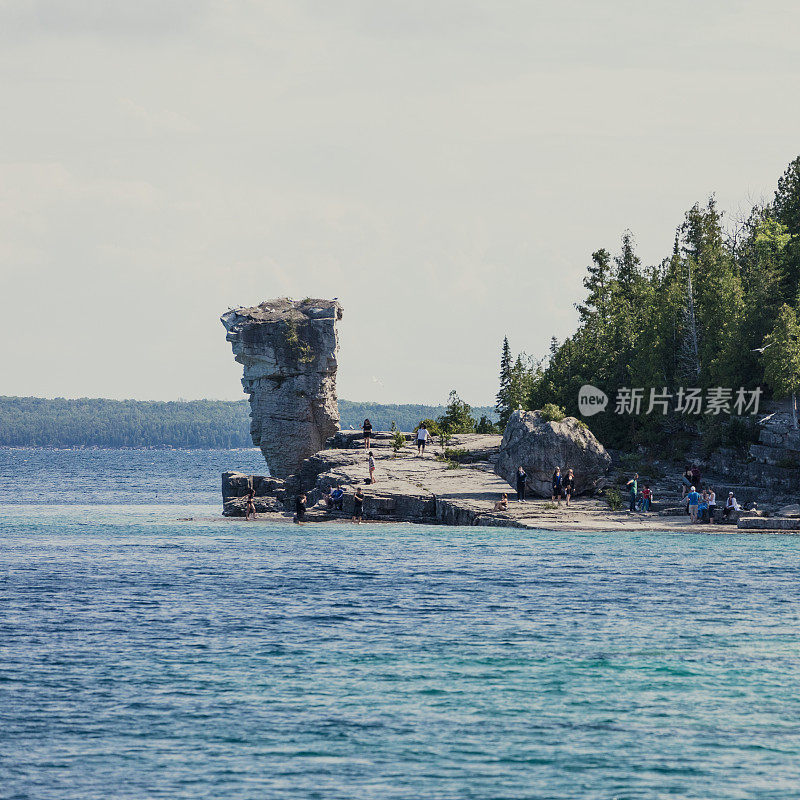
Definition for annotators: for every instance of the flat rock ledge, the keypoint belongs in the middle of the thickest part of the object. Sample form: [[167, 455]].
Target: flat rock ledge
[[430, 490]]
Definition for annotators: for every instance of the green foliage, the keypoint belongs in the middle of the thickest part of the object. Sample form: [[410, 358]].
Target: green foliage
[[552, 413], [458, 454], [782, 356], [451, 463], [456, 418], [302, 350], [613, 498], [398, 441], [87, 422], [94, 422], [485, 425], [407, 417], [699, 318], [432, 425]]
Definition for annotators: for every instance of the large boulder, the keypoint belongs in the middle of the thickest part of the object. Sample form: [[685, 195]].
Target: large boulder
[[539, 446]]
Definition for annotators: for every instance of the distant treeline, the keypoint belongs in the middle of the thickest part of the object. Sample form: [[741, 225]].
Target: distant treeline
[[92, 422]]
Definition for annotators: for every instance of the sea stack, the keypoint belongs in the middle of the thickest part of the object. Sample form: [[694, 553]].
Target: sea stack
[[289, 350]]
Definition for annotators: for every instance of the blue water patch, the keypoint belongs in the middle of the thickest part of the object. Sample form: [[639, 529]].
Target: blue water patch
[[146, 657], [42, 476]]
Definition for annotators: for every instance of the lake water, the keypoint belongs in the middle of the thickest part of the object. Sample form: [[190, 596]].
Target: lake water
[[146, 657]]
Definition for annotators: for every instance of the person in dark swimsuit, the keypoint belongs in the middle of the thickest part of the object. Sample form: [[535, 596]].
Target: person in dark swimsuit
[[300, 508], [250, 506], [367, 427], [358, 506], [569, 485], [522, 476], [558, 484]]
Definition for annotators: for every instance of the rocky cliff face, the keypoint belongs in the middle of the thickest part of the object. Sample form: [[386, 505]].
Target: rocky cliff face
[[289, 353]]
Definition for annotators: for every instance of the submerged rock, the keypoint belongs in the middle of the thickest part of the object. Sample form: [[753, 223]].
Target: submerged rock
[[289, 353], [540, 446]]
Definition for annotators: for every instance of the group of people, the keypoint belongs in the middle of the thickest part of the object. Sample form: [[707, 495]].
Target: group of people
[[638, 503], [333, 500], [562, 485]]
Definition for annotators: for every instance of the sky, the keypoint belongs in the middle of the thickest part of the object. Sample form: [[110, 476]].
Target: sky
[[444, 167]]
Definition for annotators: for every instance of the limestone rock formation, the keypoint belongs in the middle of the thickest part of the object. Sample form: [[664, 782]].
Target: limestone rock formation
[[289, 353], [540, 446]]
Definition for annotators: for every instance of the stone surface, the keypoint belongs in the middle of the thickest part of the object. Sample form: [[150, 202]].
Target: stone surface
[[540, 446], [790, 510], [288, 350]]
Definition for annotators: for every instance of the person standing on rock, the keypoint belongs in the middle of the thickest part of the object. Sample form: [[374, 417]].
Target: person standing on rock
[[300, 507], [422, 439], [367, 428], [522, 476], [694, 502], [633, 486], [250, 506], [569, 486], [358, 505], [558, 480], [371, 463]]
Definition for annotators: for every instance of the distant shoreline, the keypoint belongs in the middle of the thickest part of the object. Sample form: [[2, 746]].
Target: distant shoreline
[[92, 423]]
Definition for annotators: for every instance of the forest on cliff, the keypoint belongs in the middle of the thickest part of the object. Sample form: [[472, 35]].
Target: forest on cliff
[[718, 312]]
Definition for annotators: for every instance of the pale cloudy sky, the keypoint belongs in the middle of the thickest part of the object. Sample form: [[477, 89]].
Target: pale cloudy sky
[[444, 167]]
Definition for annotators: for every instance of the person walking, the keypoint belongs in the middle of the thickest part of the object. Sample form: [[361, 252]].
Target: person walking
[[371, 462], [522, 476], [422, 439], [694, 502], [367, 428], [358, 505], [569, 486], [633, 486]]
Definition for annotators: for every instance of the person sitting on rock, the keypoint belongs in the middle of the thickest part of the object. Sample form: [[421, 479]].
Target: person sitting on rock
[[702, 507], [569, 486], [731, 505], [300, 507], [250, 506], [522, 476], [502, 504], [337, 497]]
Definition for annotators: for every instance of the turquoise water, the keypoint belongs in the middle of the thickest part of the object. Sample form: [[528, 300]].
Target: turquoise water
[[143, 657]]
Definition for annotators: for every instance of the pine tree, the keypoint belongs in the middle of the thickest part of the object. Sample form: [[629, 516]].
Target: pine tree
[[502, 405], [787, 212]]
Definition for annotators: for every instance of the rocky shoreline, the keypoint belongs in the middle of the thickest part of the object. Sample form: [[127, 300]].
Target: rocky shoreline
[[435, 490]]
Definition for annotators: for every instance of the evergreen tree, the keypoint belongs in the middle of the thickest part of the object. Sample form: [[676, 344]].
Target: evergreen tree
[[782, 357], [787, 212], [503, 406]]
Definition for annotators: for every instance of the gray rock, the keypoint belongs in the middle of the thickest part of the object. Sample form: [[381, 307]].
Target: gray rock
[[540, 446], [289, 353], [792, 510]]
